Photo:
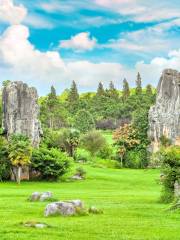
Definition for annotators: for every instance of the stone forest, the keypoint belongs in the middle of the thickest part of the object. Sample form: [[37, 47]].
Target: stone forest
[[87, 156]]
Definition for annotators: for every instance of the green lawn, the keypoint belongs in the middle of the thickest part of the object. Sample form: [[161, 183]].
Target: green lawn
[[129, 199]]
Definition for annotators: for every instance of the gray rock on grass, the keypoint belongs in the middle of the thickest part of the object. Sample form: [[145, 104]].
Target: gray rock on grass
[[64, 208]]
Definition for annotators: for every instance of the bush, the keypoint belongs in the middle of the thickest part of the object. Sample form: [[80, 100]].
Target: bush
[[171, 171], [93, 141], [136, 159], [50, 164], [5, 167], [106, 152], [82, 155], [105, 163]]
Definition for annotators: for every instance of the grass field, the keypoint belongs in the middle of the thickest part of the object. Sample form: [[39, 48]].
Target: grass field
[[129, 199]]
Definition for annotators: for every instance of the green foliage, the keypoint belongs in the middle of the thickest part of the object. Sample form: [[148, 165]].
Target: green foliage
[[106, 152], [136, 158], [50, 164], [93, 141], [100, 90], [171, 171], [105, 163], [138, 84], [69, 139], [19, 150], [165, 142], [112, 91], [149, 90], [81, 172], [82, 155], [53, 113], [126, 90], [19, 153], [5, 166], [84, 121]]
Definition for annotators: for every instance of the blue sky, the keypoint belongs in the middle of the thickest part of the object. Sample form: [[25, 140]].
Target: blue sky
[[47, 42]]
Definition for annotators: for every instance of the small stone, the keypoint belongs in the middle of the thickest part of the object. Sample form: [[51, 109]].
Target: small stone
[[95, 210], [77, 177], [45, 196], [35, 196]]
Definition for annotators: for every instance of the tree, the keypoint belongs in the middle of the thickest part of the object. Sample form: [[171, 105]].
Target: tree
[[19, 153], [52, 112], [93, 141], [126, 91], [69, 140], [149, 91], [138, 84], [112, 91], [100, 90], [73, 95], [84, 121], [125, 138]]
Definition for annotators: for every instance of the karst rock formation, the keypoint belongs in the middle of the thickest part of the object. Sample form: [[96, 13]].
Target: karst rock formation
[[164, 116], [21, 111]]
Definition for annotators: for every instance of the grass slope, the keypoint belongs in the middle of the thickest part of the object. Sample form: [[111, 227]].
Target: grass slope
[[129, 199]]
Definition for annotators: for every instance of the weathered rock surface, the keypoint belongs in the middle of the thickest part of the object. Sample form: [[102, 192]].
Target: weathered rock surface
[[21, 111], [64, 208], [164, 116], [37, 196]]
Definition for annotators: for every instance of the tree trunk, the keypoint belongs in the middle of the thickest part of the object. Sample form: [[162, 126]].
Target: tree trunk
[[121, 162], [19, 175]]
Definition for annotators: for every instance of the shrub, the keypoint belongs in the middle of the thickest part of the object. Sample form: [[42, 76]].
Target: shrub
[[80, 172], [50, 164], [171, 171], [82, 155], [105, 163], [5, 167], [69, 140], [136, 158], [106, 152], [93, 141]]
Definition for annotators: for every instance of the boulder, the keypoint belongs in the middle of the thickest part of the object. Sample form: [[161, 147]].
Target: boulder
[[164, 116], [37, 196], [45, 196], [64, 208]]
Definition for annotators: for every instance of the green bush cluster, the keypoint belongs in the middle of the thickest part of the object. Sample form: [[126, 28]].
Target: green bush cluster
[[171, 172], [50, 163]]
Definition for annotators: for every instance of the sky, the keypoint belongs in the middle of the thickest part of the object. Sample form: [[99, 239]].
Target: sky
[[53, 42]]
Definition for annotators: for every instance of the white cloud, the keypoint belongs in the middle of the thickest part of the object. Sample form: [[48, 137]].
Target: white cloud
[[11, 13], [142, 11], [79, 42], [152, 71], [38, 22]]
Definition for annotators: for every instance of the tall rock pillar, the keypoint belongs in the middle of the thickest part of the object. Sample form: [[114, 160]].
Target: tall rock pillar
[[21, 111], [164, 116]]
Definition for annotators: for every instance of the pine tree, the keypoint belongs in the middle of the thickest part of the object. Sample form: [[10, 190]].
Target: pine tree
[[100, 90], [126, 91], [111, 86], [149, 90], [138, 84], [53, 91], [73, 95], [112, 91]]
